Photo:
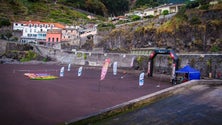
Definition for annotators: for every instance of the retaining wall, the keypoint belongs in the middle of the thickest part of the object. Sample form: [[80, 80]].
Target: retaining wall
[[206, 63]]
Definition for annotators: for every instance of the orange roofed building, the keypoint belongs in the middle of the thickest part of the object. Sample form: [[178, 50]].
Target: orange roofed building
[[53, 36]]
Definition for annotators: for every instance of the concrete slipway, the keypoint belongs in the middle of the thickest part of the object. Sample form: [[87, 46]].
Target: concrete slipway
[[192, 103]]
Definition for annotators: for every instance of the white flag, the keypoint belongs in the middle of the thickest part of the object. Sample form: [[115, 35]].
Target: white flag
[[69, 67], [141, 79], [115, 68], [131, 64], [80, 71], [62, 72]]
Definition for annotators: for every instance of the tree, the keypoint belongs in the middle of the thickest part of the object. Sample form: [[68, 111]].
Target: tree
[[4, 22], [135, 17], [96, 6], [165, 12], [192, 4], [150, 3], [116, 8]]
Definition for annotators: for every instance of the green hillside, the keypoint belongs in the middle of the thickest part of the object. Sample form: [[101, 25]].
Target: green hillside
[[42, 10], [69, 11]]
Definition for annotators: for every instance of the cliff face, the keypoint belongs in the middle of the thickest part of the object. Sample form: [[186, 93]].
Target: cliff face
[[201, 31]]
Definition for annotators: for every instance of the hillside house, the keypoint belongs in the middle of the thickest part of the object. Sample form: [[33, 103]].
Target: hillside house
[[137, 12], [149, 12], [53, 37], [35, 31], [172, 8], [71, 35]]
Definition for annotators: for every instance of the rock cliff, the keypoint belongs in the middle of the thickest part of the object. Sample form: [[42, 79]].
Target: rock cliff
[[195, 31]]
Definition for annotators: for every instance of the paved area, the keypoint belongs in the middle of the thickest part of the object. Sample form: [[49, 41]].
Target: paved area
[[198, 105], [50, 102]]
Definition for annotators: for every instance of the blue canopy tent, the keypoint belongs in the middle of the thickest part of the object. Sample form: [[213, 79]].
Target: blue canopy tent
[[192, 73]]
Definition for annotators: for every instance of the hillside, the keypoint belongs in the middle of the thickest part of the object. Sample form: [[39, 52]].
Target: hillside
[[42, 10], [191, 30], [69, 11]]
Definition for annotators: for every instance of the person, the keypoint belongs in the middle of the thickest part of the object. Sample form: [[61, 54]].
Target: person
[[185, 77]]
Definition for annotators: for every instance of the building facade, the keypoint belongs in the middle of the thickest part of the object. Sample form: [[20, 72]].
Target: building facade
[[35, 31], [53, 37]]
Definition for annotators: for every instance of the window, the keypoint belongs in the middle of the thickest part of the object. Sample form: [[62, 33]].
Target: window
[[57, 39], [49, 39], [30, 30], [52, 26], [41, 30], [16, 24], [52, 39]]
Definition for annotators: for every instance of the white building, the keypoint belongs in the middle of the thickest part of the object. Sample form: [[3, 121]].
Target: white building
[[171, 8], [71, 34], [149, 12], [34, 31]]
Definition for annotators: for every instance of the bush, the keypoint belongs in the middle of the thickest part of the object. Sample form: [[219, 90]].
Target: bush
[[30, 55], [192, 4], [165, 12], [135, 17], [195, 21], [4, 22], [85, 56], [215, 48], [104, 26], [205, 7], [181, 14]]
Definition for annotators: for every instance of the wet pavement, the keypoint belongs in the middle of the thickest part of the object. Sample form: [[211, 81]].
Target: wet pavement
[[198, 105]]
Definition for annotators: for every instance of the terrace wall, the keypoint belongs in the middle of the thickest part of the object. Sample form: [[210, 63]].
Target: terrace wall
[[206, 63]]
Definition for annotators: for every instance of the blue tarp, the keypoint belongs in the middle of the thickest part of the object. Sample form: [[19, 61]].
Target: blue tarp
[[192, 73]]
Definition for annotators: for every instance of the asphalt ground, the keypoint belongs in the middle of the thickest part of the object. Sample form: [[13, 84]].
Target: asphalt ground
[[198, 105], [51, 102]]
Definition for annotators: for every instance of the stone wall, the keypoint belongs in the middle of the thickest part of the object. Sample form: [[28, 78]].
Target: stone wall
[[3, 45], [206, 63]]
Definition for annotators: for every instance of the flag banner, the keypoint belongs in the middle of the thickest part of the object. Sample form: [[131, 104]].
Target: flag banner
[[115, 68], [148, 68], [131, 64], [80, 71], [173, 71], [40, 76], [62, 72], [104, 69], [69, 67], [141, 79]]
